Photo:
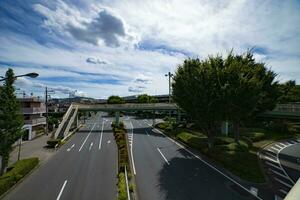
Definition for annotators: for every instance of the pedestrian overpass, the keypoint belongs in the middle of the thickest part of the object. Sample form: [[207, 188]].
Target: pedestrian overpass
[[70, 116], [282, 111]]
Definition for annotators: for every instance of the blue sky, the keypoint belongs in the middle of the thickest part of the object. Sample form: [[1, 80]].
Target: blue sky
[[108, 47]]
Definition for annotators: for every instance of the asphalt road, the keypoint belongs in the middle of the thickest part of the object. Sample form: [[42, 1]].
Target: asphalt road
[[84, 168], [290, 161], [165, 170]]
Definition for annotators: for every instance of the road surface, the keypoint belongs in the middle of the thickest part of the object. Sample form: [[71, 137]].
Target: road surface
[[165, 170], [84, 168]]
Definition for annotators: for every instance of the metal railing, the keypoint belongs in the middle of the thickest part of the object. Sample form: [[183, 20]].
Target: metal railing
[[33, 110], [288, 107], [41, 120]]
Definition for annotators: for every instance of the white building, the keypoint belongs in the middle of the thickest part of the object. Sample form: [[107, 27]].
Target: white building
[[34, 121]]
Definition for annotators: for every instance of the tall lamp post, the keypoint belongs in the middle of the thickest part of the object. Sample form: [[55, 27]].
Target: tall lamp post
[[170, 75], [31, 75]]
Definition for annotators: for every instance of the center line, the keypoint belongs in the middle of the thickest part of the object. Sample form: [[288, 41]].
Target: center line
[[91, 146], [86, 138], [61, 190], [163, 156], [101, 136]]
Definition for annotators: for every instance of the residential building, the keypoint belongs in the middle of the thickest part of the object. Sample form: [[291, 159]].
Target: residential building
[[33, 109]]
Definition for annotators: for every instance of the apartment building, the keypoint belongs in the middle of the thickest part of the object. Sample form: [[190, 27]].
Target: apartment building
[[33, 109]]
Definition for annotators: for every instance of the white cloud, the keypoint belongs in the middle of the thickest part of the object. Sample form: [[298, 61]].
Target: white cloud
[[150, 35]]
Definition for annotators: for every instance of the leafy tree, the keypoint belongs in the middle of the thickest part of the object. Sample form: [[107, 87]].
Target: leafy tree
[[11, 120], [144, 98], [115, 100], [248, 89], [196, 91], [236, 88], [289, 92]]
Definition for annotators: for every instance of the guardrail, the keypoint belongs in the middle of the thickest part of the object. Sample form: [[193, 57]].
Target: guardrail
[[33, 110], [128, 106], [70, 122], [288, 107], [36, 121], [65, 117]]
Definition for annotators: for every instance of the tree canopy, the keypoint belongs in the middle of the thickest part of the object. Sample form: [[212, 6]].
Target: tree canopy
[[218, 89], [115, 100], [144, 98], [289, 92], [11, 120]]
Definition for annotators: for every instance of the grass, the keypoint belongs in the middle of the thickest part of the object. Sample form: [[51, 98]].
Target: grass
[[16, 172], [240, 159], [122, 192]]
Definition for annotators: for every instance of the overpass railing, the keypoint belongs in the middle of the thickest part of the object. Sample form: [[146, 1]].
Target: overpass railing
[[288, 108]]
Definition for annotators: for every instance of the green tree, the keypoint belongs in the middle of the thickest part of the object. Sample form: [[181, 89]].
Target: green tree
[[234, 89], [196, 91], [144, 98], [289, 92], [248, 88], [11, 120], [115, 100]]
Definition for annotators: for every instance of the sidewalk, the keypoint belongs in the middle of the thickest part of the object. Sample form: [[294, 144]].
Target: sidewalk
[[33, 148]]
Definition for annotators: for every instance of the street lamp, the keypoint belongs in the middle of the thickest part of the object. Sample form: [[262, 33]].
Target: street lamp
[[31, 75], [170, 75]]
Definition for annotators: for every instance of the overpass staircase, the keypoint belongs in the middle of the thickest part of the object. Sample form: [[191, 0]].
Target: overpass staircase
[[68, 120]]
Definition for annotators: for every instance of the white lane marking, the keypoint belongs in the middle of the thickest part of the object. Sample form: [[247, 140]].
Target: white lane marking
[[271, 159], [271, 164], [270, 155], [280, 147], [276, 149], [61, 190], [283, 191], [163, 156], [199, 158], [100, 141], [282, 182], [147, 133], [91, 145], [69, 149], [282, 167], [131, 152], [279, 174], [86, 138], [281, 144]]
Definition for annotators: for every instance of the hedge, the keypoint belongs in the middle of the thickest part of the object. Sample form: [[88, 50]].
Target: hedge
[[53, 142], [16, 172]]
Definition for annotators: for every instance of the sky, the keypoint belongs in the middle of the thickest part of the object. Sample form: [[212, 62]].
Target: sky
[[99, 48]]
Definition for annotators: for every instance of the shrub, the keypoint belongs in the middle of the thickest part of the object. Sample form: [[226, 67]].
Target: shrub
[[122, 193], [16, 172], [256, 136], [53, 142]]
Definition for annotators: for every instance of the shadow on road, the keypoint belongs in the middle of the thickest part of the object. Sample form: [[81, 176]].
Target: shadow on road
[[186, 178]]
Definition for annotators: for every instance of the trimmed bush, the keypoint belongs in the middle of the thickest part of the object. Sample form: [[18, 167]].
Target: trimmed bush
[[16, 172], [53, 142], [122, 193], [256, 136]]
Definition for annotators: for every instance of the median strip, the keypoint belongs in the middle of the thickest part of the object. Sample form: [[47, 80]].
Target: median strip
[[125, 181]]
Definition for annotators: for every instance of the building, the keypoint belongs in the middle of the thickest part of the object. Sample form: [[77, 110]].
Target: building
[[33, 109]]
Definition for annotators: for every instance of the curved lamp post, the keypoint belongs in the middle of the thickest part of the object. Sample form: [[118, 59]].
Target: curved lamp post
[[31, 75]]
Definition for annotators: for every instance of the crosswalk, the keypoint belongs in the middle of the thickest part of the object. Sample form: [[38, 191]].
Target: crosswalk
[[269, 156]]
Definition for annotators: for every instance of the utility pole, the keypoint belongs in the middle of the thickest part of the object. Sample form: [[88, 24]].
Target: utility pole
[[46, 103], [170, 75]]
